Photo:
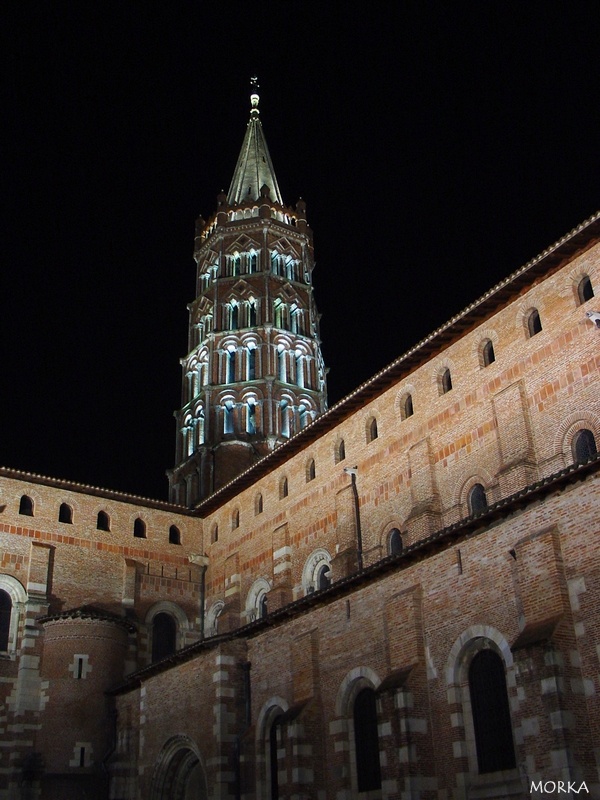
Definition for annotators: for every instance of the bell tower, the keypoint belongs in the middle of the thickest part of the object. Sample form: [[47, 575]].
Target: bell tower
[[254, 373]]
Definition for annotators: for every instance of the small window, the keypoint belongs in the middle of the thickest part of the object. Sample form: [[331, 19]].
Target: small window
[[139, 529], [65, 514], [174, 535], [26, 506], [214, 534], [395, 542], [585, 290], [487, 353], [263, 606], [372, 432], [283, 488], [323, 577], [164, 636], [477, 499], [5, 614], [491, 713], [366, 741], [310, 470], [340, 451], [235, 519], [445, 381], [406, 409], [584, 446], [534, 323], [103, 521], [258, 504]]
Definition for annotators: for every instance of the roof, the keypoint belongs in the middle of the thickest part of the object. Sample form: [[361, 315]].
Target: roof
[[254, 168]]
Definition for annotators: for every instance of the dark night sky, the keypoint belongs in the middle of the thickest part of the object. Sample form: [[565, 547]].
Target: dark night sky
[[438, 145]]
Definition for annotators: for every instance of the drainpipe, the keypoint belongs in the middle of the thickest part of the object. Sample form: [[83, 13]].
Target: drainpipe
[[353, 472]]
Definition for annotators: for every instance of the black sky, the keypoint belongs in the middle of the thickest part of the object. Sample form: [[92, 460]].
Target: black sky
[[438, 145]]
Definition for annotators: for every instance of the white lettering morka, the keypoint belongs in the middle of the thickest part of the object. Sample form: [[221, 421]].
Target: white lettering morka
[[552, 787]]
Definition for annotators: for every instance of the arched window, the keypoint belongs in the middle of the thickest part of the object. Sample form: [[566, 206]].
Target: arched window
[[395, 542], [323, 577], [139, 529], [251, 363], [228, 417], [534, 323], [283, 488], [339, 451], [304, 417], [164, 636], [214, 536], [5, 614], [65, 514], [235, 519], [285, 418], [273, 752], [487, 353], [281, 371], [263, 606], [250, 417], [372, 432], [477, 499], [445, 381], [585, 290], [230, 376], [252, 262], [491, 713], [366, 741], [252, 313], [583, 446], [406, 409], [311, 470], [174, 535], [26, 506], [258, 504], [299, 371], [103, 521]]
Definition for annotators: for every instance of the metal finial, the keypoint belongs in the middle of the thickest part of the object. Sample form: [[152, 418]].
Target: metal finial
[[254, 97]]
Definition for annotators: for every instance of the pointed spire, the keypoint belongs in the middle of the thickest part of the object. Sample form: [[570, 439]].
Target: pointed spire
[[254, 168]]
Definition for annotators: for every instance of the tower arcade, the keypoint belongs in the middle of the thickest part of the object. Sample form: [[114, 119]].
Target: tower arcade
[[254, 373]]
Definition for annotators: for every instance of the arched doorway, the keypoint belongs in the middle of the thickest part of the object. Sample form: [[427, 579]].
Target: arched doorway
[[179, 774]]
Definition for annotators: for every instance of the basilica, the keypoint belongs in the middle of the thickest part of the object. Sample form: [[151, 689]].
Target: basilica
[[392, 598]]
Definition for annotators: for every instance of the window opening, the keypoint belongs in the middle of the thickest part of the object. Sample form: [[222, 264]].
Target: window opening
[[366, 740], [174, 535], [324, 577], [311, 471], [446, 381], [585, 290], [103, 521], [5, 615], [65, 514], [584, 446], [477, 499], [372, 432], [395, 542], [407, 407], [491, 713], [488, 353], [534, 323], [273, 765], [283, 488], [139, 529], [26, 506], [164, 634]]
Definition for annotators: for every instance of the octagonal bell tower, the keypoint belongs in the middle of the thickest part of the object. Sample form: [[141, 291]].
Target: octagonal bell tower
[[254, 374]]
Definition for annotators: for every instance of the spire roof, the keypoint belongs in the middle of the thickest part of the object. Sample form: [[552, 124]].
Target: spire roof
[[254, 168]]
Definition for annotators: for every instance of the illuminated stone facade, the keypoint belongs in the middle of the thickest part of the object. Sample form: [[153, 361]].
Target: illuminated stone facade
[[328, 624]]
